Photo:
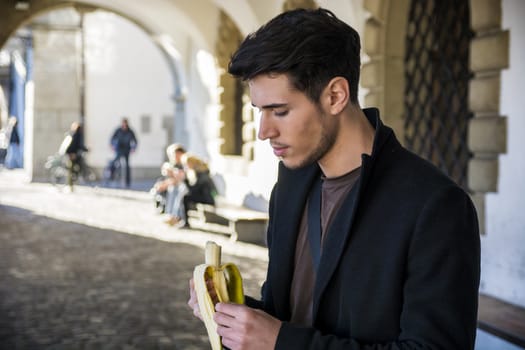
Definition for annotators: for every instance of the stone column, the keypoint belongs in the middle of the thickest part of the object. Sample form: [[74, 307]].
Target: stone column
[[489, 54], [56, 94]]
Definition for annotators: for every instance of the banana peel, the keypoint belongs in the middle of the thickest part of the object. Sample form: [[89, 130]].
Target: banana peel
[[227, 286]]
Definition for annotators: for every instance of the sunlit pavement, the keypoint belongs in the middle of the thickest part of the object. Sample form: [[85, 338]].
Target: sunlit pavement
[[98, 269]]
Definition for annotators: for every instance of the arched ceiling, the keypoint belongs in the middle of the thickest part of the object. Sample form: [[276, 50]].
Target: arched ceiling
[[157, 17], [196, 19]]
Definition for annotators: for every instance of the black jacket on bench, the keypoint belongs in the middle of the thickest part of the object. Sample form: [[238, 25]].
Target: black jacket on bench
[[203, 190]]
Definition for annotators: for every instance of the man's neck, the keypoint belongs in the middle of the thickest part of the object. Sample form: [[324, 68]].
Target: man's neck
[[355, 138]]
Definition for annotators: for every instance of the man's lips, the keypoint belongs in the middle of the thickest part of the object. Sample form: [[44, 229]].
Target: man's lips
[[279, 150]]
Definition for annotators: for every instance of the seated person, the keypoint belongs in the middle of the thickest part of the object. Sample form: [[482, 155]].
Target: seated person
[[201, 188], [162, 186], [171, 186]]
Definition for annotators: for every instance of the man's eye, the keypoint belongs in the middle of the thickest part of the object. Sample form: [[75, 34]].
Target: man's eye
[[281, 113]]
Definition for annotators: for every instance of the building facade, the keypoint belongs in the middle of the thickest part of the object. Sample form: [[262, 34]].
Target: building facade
[[162, 65]]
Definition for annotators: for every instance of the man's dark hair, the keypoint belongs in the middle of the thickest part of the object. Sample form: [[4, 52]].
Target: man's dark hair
[[179, 148], [310, 46]]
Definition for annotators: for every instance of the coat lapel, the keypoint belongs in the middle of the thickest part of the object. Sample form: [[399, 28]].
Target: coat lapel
[[290, 197], [335, 244], [340, 230]]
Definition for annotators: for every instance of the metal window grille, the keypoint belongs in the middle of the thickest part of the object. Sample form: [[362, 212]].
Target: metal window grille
[[436, 90]]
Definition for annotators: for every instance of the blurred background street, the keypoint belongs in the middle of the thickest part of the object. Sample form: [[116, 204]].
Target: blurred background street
[[98, 269]]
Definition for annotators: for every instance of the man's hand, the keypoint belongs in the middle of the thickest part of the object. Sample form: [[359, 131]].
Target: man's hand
[[178, 175], [242, 327], [193, 303]]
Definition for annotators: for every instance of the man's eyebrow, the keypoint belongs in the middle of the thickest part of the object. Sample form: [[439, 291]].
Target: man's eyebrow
[[271, 106]]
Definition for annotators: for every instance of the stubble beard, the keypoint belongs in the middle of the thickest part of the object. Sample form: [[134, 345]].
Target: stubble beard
[[326, 141]]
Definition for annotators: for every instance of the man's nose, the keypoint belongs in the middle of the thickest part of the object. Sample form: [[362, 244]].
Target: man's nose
[[267, 129]]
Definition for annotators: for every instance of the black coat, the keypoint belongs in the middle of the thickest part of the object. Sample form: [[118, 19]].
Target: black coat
[[123, 141], [203, 190], [76, 144], [399, 269], [14, 138]]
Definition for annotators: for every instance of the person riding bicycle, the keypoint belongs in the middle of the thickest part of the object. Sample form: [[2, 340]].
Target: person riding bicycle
[[73, 146]]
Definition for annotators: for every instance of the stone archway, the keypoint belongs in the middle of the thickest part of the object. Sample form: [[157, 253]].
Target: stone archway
[[173, 121], [383, 76], [231, 117], [295, 4]]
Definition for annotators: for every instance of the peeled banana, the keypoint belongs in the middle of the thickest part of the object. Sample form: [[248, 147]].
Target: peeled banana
[[227, 285]]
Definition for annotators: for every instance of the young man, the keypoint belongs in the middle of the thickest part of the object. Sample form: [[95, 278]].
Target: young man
[[370, 246]]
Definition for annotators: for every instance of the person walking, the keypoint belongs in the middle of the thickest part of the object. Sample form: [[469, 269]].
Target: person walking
[[13, 155], [369, 245], [124, 142]]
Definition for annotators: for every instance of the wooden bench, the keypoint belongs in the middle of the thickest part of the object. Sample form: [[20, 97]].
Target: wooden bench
[[501, 319], [239, 222]]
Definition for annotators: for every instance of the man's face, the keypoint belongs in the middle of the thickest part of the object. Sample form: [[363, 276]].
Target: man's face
[[178, 157], [300, 133]]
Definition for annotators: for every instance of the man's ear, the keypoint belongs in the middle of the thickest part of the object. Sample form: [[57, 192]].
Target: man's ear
[[338, 94]]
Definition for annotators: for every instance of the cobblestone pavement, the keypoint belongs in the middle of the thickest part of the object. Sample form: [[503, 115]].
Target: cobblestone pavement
[[97, 269]]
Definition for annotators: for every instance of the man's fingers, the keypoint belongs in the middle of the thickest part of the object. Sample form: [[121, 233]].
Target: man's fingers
[[193, 302], [230, 308], [223, 319], [231, 316]]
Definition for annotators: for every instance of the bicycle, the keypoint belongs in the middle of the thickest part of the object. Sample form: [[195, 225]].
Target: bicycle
[[112, 172], [57, 166]]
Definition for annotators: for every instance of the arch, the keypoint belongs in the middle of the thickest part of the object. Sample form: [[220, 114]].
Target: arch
[[383, 76], [162, 41], [231, 117], [240, 13], [174, 103], [176, 16], [295, 4]]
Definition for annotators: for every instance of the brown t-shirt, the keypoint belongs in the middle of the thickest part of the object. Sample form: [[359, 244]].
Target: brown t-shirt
[[333, 192]]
